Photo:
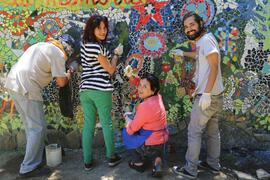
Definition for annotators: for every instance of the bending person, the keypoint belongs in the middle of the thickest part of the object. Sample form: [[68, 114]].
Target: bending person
[[39, 64]]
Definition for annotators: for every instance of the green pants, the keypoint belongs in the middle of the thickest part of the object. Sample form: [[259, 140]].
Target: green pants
[[93, 102]]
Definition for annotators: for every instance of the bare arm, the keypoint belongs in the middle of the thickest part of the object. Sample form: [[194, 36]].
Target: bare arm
[[213, 63], [62, 81], [190, 54], [110, 67]]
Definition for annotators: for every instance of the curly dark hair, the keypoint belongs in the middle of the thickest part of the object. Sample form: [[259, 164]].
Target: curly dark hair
[[93, 22], [198, 19]]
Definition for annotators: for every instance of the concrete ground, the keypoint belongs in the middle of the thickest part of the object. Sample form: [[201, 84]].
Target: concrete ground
[[72, 168]]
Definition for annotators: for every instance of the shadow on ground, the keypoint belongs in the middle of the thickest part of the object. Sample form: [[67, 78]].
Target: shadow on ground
[[72, 168]]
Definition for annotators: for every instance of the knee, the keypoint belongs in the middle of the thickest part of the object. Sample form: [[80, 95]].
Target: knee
[[213, 134]]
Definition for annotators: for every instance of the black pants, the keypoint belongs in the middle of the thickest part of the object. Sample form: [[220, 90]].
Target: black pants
[[146, 154]]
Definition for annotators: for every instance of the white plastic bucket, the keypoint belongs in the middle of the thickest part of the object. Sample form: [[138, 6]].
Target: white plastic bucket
[[53, 155]]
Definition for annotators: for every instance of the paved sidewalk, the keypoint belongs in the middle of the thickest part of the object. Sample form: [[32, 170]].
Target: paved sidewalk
[[72, 168]]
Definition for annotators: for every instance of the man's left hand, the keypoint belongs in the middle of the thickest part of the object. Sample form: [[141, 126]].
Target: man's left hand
[[205, 101]]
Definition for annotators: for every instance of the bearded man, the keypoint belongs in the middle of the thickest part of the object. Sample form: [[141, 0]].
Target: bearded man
[[208, 98]]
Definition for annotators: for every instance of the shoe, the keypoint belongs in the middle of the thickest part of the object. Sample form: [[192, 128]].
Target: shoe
[[157, 171], [39, 171], [88, 167], [140, 168], [183, 172], [115, 160], [205, 165]]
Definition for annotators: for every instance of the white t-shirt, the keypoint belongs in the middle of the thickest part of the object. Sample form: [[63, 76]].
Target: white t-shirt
[[205, 46], [35, 69]]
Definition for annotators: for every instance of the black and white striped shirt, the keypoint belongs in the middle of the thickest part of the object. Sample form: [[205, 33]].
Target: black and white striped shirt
[[94, 76]]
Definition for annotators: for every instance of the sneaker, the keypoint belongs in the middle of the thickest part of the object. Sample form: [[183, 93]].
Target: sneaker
[[88, 167], [205, 165], [115, 160], [39, 171], [183, 172]]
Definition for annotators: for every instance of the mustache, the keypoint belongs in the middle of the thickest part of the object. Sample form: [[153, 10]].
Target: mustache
[[191, 31]]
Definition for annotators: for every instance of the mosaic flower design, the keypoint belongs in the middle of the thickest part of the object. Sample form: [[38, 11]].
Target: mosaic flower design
[[152, 44], [135, 61], [188, 66], [148, 11], [205, 8]]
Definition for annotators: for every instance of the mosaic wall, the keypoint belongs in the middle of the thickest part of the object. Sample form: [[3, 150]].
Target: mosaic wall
[[149, 30]]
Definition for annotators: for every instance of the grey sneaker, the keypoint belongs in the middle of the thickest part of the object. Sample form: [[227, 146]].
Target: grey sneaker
[[205, 165], [181, 171]]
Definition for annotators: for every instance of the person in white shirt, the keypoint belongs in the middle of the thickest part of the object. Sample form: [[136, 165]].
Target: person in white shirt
[[34, 70], [208, 98]]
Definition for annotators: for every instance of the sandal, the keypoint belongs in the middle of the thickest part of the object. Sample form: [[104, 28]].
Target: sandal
[[140, 168], [157, 171]]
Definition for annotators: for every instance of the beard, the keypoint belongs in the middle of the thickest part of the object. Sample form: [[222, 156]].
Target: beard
[[196, 34]]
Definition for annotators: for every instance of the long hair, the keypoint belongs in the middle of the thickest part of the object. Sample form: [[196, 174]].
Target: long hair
[[93, 22]]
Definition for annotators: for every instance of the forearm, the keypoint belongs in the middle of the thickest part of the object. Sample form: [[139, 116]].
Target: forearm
[[109, 66], [114, 63], [138, 121], [190, 54], [62, 81], [211, 80]]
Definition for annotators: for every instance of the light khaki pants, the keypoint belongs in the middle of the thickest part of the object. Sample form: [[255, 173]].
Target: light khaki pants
[[204, 121]]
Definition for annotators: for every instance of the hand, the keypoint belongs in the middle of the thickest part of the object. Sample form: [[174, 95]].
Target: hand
[[176, 52], [205, 101], [68, 74], [118, 50], [128, 71], [128, 115]]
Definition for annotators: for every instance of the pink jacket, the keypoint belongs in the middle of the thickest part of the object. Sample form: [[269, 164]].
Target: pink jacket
[[150, 115]]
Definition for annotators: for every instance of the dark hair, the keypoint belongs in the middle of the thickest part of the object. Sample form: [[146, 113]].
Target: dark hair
[[198, 19], [93, 22], [154, 82]]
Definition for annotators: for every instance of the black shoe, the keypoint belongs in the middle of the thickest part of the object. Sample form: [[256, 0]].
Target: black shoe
[[140, 168], [183, 172], [115, 160], [39, 171], [88, 167], [157, 171], [205, 165]]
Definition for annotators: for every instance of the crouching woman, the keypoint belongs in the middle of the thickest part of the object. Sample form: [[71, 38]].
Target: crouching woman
[[146, 134]]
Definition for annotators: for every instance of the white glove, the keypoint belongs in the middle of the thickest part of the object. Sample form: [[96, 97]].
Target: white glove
[[205, 101], [128, 116], [176, 52], [118, 50], [128, 71]]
